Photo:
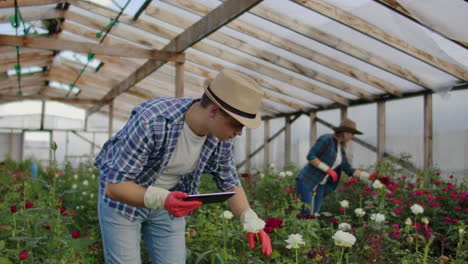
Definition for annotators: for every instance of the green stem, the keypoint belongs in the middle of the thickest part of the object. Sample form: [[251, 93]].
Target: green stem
[[460, 243], [297, 256], [341, 255], [225, 240], [426, 250]]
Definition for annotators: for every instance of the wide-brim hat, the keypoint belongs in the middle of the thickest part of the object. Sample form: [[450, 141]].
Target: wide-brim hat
[[237, 94], [347, 125]]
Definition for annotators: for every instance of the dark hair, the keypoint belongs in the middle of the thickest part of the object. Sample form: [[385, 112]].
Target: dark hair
[[205, 101]]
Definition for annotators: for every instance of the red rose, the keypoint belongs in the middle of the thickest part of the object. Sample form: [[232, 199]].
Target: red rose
[[13, 209], [23, 255], [76, 234], [28, 205], [398, 210]]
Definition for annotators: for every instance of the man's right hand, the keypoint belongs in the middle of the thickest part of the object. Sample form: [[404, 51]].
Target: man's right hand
[[159, 198], [178, 207]]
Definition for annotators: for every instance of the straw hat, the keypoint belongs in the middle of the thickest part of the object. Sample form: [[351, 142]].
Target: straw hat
[[347, 125], [237, 94]]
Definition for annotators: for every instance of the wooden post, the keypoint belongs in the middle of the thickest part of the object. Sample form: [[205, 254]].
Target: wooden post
[[266, 143], [51, 151], [92, 144], [67, 140], [381, 125], [343, 113], [10, 149], [85, 125], [248, 149], [287, 140], [313, 128], [428, 130], [111, 118], [179, 79], [42, 115]]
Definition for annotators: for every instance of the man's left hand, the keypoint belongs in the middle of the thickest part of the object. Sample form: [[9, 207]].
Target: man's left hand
[[264, 239]]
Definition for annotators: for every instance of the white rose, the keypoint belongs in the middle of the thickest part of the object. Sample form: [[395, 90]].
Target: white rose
[[359, 212], [75, 176], [378, 218], [417, 209], [282, 174], [461, 231], [344, 204], [289, 173], [74, 186], [294, 241], [344, 239], [272, 166], [85, 182], [261, 175], [344, 226], [377, 185], [408, 221], [227, 215], [425, 220]]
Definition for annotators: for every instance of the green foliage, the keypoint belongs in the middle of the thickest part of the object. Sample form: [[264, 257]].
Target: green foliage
[[64, 201]]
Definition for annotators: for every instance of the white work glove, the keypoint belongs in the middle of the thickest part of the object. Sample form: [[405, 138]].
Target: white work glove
[[254, 228], [155, 197], [365, 176], [159, 198]]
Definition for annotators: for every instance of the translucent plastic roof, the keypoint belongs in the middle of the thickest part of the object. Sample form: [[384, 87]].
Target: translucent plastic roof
[[306, 55]]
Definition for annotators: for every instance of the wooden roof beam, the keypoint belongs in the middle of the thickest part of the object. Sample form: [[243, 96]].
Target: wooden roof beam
[[397, 8], [23, 3], [216, 19], [188, 66], [58, 99], [32, 13], [282, 43], [336, 43], [370, 30], [84, 47]]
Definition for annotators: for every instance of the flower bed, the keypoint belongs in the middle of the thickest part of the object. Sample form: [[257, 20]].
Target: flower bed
[[401, 218]]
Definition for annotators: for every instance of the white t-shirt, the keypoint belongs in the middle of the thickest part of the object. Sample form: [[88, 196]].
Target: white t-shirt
[[338, 158], [184, 159]]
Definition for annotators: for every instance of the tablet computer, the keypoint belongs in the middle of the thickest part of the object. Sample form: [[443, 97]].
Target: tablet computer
[[210, 197]]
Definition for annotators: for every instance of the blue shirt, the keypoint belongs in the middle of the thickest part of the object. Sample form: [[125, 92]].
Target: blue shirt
[[325, 149], [142, 149]]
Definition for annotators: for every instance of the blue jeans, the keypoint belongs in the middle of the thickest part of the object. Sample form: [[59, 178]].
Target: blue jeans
[[163, 234], [307, 196]]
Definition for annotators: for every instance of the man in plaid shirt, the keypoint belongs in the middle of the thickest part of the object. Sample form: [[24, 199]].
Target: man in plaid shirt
[[149, 167]]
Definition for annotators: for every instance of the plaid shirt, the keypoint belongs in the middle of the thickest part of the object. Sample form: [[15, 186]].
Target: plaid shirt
[[325, 149], [142, 149]]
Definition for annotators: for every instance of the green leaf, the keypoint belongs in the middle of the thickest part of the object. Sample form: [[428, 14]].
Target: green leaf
[[202, 256], [4, 228], [275, 254], [12, 20], [2, 245], [90, 56], [17, 68], [5, 261], [80, 243], [218, 257]]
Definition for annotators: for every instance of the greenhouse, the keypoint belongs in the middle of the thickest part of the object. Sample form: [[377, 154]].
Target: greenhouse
[[338, 129]]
